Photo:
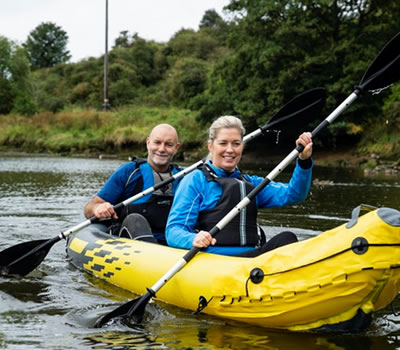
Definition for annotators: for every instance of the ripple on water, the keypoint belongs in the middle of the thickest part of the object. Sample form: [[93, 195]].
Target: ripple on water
[[57, 305]]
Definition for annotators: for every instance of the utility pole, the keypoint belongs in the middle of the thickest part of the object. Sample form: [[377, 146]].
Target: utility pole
[[106, 104]]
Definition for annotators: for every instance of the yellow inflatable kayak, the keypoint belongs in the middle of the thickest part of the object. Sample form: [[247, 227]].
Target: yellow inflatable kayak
[[334, 281]]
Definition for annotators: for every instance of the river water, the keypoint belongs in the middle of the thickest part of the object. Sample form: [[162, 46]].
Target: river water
[[55, 306]]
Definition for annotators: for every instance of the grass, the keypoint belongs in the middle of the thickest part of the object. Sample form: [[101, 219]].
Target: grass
[[383, 140], [123, 132], [91, 131]]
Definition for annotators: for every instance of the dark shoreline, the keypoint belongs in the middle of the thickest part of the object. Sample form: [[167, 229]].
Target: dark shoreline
[[370, 164]]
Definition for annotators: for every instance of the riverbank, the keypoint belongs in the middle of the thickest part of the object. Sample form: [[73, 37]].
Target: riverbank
[[370, 164], [122, 134]]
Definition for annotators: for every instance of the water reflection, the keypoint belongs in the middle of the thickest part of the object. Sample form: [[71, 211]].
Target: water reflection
[[121, 340], [235, 337]]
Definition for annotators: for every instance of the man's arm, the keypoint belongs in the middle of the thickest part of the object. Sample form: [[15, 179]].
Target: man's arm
[[100, 208]]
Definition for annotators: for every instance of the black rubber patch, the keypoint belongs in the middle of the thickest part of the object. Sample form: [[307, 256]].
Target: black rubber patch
[[256, 275], [102, 253], [97, 267], [359, 245]]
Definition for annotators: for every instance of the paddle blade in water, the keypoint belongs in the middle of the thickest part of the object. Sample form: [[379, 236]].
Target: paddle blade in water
[[118, 313], [130, 313], [22, 258], [384, 71], [299, 111]]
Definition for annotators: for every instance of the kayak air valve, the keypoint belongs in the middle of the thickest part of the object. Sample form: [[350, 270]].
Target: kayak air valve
[[256, 275], [359, 245]]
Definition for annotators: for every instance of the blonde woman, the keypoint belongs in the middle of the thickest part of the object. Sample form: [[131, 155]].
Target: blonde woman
[[206, 195]]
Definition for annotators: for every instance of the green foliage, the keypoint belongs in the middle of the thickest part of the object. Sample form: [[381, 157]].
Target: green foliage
[[188, 43], [124, 40], [7, 96], [211, 19], [24, 104], [15, 85], [391, 108], [46, 46], [283, 48], [187, 79], [140, 58], [341, 133], [267, 53], [382, 134], [88, 131]]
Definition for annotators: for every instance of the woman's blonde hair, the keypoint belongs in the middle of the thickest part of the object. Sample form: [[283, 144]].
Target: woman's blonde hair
[[224, 122]]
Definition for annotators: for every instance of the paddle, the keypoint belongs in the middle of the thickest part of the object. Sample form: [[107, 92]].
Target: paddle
[[304, 107], [24, 257], [383, 72]]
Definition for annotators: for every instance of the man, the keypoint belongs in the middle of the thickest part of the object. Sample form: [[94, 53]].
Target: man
[[147, 217]]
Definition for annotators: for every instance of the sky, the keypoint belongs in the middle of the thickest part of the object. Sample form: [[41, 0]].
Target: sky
[[84, 20]]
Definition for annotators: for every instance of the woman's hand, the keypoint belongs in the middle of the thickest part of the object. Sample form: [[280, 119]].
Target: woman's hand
[[305, 139], [203, 239]]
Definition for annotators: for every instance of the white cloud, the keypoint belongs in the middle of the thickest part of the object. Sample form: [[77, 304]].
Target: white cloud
[[84, 20]]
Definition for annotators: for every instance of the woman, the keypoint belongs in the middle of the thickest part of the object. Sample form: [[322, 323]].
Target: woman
[[206, 195]]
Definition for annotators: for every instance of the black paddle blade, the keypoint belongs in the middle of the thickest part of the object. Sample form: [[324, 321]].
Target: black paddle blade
[[305, 107], [23, 258], [130, 313], [384, 71], [118, 313]]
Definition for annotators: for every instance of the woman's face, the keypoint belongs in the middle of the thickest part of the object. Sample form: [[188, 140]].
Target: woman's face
[[226, 149]]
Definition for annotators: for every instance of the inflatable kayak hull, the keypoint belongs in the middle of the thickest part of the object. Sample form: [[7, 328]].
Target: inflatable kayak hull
[[334, 281]]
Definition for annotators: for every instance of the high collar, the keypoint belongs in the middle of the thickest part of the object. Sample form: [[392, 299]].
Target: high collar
[[222, 173]]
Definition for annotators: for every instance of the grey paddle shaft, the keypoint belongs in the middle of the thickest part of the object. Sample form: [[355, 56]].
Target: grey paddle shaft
[[253, 135], [93, 219], [282, 165], [160, 184], [146, 192], [182, 173], [245, 201]]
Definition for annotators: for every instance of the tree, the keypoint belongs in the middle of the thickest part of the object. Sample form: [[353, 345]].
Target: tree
[[282, 48], [213, 24], [188, 43], [46, 46], [211, 19], [187, 79], [15, 89], [123, 40]]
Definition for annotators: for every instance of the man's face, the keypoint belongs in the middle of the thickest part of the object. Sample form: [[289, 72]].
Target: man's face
[[162, 145]]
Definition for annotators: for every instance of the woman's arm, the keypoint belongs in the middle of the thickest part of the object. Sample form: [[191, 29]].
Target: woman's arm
[[278, 194], [180, 231]]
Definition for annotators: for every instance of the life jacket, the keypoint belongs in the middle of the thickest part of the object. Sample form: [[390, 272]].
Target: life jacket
[[242, 229], [156, 208]]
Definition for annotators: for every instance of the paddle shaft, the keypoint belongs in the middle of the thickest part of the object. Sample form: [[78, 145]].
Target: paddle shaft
[[24, 257], [150, 190], [245, 201], [134, 198], [46, 244], [136, 307]]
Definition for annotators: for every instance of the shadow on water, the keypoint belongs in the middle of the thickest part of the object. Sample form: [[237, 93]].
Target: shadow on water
[[25, 289]]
